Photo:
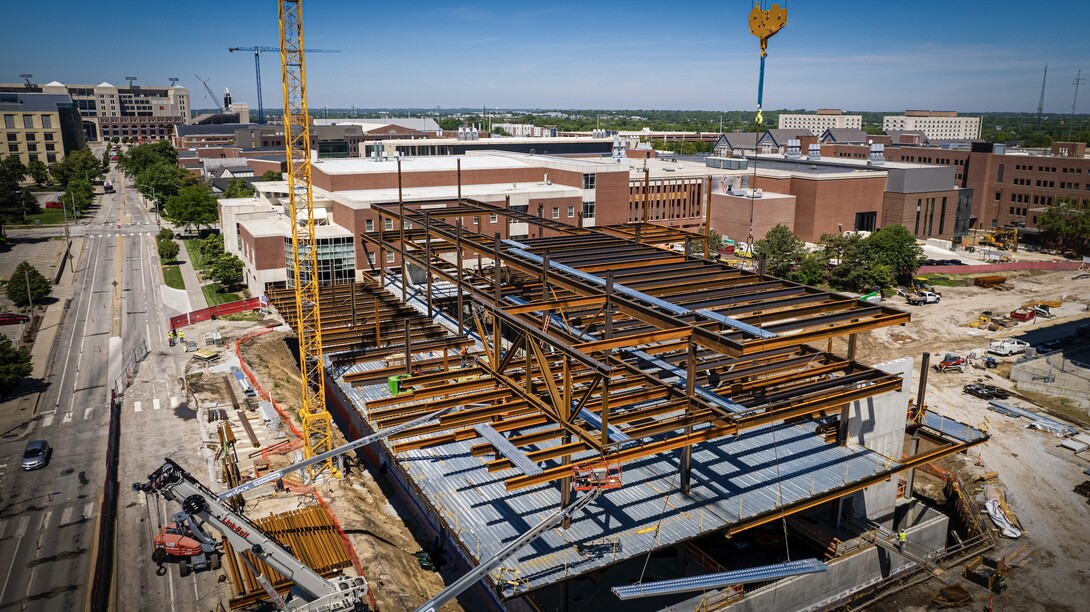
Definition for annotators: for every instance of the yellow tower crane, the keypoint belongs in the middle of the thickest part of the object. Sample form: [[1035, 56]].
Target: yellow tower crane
[[317, 422]]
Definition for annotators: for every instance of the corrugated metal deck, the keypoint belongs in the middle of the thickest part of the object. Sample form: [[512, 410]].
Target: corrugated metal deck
[[732, 478]]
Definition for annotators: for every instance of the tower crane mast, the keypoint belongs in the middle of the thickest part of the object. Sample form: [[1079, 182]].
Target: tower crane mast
[[316, 420], [257, 70]]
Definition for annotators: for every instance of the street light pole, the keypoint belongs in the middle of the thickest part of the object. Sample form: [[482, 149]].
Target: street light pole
[[26, 275]]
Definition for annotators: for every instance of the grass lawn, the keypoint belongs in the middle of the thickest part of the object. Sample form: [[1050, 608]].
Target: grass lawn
[[48, 216], [172, 276], [192, 247], [214, 294]]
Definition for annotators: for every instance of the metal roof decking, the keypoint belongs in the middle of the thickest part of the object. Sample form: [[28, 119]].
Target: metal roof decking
[[734, 478]]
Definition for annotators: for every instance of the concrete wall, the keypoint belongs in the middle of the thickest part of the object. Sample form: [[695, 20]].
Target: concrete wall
[[848, 575], [878, 423], [1053, 375]]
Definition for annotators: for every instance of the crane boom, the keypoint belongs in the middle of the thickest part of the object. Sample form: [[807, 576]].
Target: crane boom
[[173, 483], [257, 51], [207, 88]]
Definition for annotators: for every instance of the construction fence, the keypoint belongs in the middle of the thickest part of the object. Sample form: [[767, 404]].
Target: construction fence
[[218, 310], [1002, 267], [128, 370]]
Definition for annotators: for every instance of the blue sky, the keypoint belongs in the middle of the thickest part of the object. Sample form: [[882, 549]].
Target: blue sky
[[972, 55]]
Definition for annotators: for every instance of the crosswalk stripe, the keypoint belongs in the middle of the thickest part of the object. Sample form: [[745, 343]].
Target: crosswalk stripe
[[66, 515], [88, 413], [173, 401], [88, 509], [67, 417], [45, 519], [136, 406], [155, 403], [20, 531], [47, 420]]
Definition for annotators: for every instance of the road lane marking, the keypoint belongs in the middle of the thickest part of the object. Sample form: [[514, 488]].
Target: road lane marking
[[19, 533], [155, 403], [173, 401], [72, 339], [47, 420], [67, 417], [88, 413], [136, 406]]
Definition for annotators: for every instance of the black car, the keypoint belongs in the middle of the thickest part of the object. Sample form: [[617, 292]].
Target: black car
[[981, 391]]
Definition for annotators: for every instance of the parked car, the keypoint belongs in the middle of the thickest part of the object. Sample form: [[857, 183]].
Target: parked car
[[981, 391], [54, 204], [10, 318], [36, 454]]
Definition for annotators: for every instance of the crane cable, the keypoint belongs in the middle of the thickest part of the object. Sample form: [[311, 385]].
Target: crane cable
[[764, 24]]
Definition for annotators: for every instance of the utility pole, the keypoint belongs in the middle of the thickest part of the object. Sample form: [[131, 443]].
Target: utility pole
[[26, 275]]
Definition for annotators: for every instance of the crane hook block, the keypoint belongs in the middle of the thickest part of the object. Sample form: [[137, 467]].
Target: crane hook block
[[765, 23]]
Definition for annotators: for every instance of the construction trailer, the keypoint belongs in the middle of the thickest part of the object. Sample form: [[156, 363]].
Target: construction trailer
[[602, 346]]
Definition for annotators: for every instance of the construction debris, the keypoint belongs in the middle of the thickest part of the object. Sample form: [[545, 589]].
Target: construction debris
[[952, 596]]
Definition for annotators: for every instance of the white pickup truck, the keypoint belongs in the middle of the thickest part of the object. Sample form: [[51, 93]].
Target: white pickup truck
[[924, 297], [1008, 346]]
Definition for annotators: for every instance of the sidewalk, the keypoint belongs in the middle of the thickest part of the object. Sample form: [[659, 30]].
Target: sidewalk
[[192, 283], [26, 405]]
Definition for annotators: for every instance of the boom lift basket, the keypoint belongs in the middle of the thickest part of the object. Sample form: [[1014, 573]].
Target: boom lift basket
[[596, 476]]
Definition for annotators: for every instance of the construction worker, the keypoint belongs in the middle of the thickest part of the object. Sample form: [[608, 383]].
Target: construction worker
[[464, 353], [713, 379], [902, 537], [181, 337]]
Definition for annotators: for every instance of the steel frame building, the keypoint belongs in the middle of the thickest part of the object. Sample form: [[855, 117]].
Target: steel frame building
[[601, 347]]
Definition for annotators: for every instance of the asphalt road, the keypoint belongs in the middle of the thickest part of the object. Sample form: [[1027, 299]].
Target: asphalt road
[[49, 517]]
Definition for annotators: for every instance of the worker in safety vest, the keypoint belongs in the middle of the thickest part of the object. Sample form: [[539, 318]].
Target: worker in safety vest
[[902, 537]]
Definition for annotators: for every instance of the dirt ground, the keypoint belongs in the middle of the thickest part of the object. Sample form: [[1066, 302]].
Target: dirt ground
[[1038, 475], [383, 542]]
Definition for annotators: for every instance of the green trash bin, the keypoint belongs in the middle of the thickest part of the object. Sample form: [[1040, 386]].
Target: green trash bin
[[396, 382]]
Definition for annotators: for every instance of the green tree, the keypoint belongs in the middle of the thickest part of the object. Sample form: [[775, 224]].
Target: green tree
[[895, 247], [271, 175], [238, 188], [79, 194], [165, 234], [227, 270], [12, 192], [81, 164], [856, 268], [106, 157], [25, 274], [1066, 224], [162, 178], [211, 247], [193, 206], [781, 249], [38, 172], [810, 271], [15, 364], [140, 158], [168, 250]]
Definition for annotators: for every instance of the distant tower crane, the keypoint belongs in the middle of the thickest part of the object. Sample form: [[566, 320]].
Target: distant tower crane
[[1041, 102], [207, 88], [316, 420], [257, 69]]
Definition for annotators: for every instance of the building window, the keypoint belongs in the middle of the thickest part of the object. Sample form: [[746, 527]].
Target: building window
[[571, 212], [50, 146], [369, 225], [997, 196], [30, 146], [556, 212], [51, 157], [588, 210], [588, 181], [13, 148], [388, 224], [999, 174], [371, 258], [48, 136], [389, 257], [31, 136], [493, 218], [47, 121], [865, 221], [13, 137], [9, 122], [28, 122]]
